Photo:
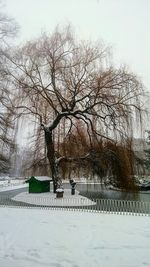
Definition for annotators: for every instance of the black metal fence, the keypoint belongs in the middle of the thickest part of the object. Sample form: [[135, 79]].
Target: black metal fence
[[125, 207]]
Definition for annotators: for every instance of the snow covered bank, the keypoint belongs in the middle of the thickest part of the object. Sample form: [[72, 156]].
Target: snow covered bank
[[13, 187], [31, 237], [49, 199]]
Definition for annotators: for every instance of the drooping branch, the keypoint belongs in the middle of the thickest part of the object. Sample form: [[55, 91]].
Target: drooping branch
[[62, 83]]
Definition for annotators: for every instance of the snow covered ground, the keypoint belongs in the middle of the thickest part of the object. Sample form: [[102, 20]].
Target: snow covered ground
[[56, 238], [49, 199], [12, 187], [11, 184]]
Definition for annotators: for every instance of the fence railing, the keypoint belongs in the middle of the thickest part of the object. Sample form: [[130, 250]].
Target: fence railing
[[90, 205]]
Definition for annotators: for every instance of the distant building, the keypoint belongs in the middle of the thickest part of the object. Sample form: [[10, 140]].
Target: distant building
[[140, 144]]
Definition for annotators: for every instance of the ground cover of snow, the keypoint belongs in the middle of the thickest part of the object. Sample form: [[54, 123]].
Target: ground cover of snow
[[49, 199], [13, 186], [56, 238]]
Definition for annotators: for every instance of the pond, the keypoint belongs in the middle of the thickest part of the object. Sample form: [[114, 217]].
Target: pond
[[99, 191]]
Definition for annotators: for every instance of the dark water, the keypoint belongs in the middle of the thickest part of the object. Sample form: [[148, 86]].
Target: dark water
[[99, 191]]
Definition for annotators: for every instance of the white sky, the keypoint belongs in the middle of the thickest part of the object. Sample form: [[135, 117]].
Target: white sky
[[124, 24]]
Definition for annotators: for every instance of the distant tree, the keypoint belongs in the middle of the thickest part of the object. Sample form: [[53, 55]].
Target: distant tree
[[8, 29], [74, 83]]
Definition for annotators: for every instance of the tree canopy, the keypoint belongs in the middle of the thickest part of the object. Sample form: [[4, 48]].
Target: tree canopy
[[64, 84]]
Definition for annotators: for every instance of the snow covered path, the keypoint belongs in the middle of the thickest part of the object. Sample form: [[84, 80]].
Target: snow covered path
[[13, 187], [54, 238]]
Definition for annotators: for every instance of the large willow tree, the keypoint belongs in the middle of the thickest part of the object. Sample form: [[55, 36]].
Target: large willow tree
[[61, 82]]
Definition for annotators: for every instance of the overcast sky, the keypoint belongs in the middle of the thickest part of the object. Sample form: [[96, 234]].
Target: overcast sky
[[123, 24]]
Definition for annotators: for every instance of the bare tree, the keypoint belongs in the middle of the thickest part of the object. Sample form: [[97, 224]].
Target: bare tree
[[8, 26], [73, 82], [8, 29]]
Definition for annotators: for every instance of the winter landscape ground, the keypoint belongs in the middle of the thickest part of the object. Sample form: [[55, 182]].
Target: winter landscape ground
[[56, 238], [61, 238]]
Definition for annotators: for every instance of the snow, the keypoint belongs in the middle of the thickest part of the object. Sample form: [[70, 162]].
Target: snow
[[9, 188], [60, 190], [13, 184], [49, 199], [56, 238], [42, 178]]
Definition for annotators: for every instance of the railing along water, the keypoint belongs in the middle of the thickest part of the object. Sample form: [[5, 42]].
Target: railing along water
[[126, 207]]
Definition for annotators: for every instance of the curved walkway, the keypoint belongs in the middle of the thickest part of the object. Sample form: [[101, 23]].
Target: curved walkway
[[49, 199]]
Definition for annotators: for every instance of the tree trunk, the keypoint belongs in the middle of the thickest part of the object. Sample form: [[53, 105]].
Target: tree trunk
[[51, 157]]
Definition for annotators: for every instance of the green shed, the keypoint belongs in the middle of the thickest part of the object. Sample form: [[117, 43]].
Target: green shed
[[39, 184]]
